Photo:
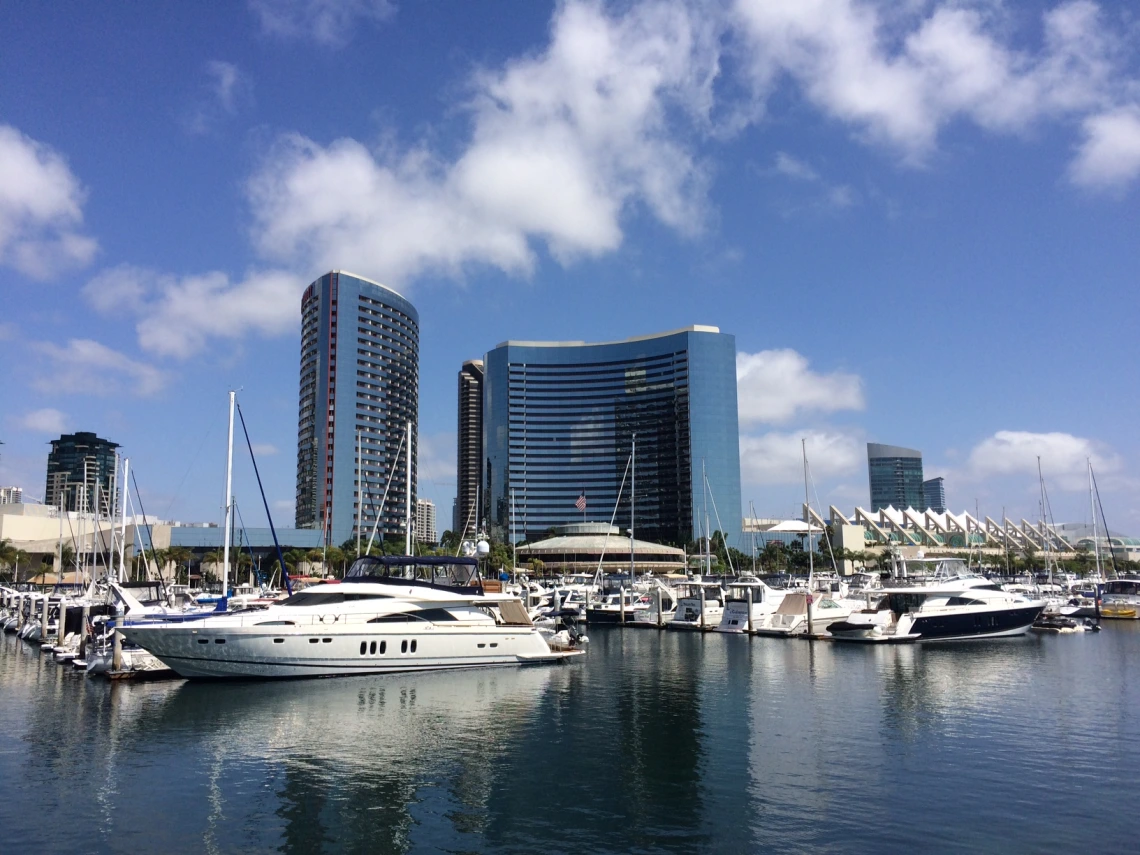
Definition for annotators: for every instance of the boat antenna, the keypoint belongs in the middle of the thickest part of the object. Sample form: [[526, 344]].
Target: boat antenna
[[1104, 522], [264, 501], [149, 536]]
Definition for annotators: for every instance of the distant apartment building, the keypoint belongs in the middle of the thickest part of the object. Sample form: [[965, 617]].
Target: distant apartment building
[[81, 470], [11, 496], [359, 376], [425, 521], [895, 476], [934, 494], [560, 420], [469, 453]]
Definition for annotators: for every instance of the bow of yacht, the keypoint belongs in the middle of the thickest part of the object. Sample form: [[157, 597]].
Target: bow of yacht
[[391, 613]]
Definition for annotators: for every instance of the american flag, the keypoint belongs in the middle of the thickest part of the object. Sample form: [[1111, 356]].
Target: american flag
[[581, 503]]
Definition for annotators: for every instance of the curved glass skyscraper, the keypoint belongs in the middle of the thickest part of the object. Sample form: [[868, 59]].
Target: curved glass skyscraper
[[360, 344], [560, 419]]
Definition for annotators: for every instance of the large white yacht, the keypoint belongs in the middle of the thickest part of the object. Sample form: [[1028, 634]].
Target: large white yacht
[[391, 613], [955, 605], [765, 600], [690, 615]]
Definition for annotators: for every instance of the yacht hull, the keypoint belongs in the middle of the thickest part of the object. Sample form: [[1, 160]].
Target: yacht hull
[[205, 652], [988, 624]]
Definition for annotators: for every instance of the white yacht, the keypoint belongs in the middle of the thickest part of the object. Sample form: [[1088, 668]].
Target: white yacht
[[1121, 599], [791, 616], [690, 615], [765, 600], [390, 613], [956, 605]]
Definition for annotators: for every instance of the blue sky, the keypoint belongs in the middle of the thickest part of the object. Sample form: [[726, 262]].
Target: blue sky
[[920, 221]]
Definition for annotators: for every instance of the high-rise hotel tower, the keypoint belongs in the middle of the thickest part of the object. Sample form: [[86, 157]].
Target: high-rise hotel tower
[[469, 453], [359, 388], [559, 422]]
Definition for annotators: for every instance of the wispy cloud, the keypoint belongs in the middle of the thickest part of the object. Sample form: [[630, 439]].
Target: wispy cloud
[[90, 368], [47, 420], [225, 90], [776, 386], [792, 167], [1064, 459], [179, 315], [1109, 156], [265, 449], [327, 22], [41, 209]]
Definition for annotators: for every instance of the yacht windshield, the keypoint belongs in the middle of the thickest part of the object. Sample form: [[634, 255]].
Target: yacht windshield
[[441, 571]]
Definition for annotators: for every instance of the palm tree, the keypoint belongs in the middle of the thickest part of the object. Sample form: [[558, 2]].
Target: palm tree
[[335, 556], [213, 558], [20, 555], [316, 556], [177, 555], [7, 553]]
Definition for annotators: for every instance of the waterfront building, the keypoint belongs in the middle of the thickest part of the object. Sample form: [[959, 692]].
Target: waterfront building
[[11, 495], [584, 547], [425, 521], [81, 471], [895, 475], [377, 366], [934, 495], [469, 454], [560, 419]]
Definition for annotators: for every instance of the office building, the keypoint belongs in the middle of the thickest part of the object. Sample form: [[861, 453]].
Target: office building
[[377, 366], [469, 454], [425, 522], [895, 475], [934, 495], [11, 496], [560, 419], [81, 471]]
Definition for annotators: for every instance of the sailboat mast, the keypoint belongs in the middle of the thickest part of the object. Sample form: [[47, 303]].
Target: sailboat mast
[[1092, 510], [632, 504], [1044, 521], [705, 495], [359, 492], [514, 547], [229, 527], [811, 555], [123, 520], [408, 492]]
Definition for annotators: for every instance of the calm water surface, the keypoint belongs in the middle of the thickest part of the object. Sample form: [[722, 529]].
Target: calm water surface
[[656, 742]]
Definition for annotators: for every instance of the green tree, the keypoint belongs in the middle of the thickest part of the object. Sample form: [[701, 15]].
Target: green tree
[[316, 557], [179, 555]]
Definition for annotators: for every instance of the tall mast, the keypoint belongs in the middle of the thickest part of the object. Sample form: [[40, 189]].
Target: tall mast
[[811, 552], [752, 513], [123, 520], [408, 491], [514, 548], [229, 528], [1044, 520], [359, 493], [632, 504], [1092, 509], [705, 494]]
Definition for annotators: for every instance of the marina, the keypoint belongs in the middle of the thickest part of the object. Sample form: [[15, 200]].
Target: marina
[[652, 741]]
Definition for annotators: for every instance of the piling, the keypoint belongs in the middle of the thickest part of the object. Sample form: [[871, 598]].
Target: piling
[[748, 597], [702, 608], [44, 621], [621, 605], [61, 631], [83, 631], [660, 614]]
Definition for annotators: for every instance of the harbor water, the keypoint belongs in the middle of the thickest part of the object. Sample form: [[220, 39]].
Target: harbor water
[[655, 741]]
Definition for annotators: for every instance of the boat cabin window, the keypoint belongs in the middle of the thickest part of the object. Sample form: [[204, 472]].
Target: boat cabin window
[[906, 602], [1127, 587], [436, 571], [314, 598], [964, 601]]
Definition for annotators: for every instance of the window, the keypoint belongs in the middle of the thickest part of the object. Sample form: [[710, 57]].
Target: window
[[372, 648], [279, 641], [363, 647], [314, 598], [383, 647], [404, 646], [413, 645], [219, 641]]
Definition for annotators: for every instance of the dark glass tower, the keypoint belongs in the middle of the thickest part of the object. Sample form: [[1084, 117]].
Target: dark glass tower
[[934, 494], [81, 474], [559, 421], [469, 454], [895, 474], [359, 372]]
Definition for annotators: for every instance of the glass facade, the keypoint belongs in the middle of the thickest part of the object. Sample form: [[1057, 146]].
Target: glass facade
[[81, 474], [895, 474], [560, 419], [365, 336], [469, 451], [934, 495]]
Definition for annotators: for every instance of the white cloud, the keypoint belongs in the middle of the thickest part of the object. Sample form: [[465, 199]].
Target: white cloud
[[1110, 154], [435, 458], [264, 449], [777, 458], [44, 421], [41, 208], [88, 367], [563, 144], [775, 386], [1063, 458], [900, 74], [178, 316], [228, 83], [327, 22]]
